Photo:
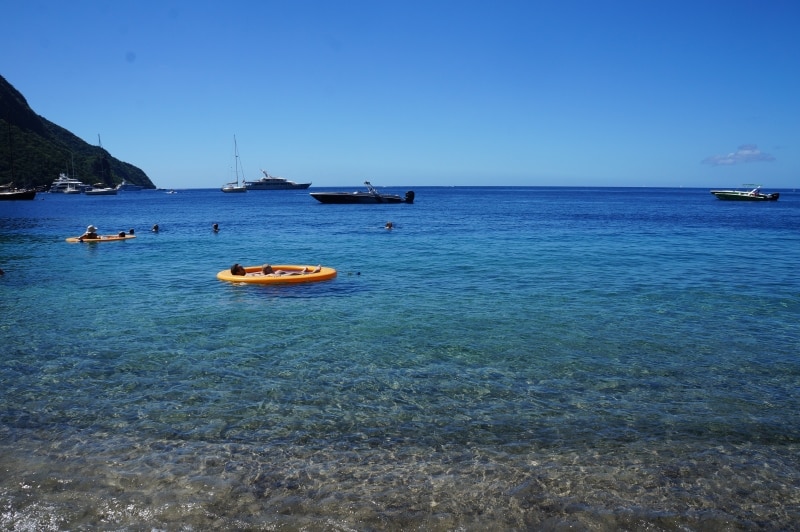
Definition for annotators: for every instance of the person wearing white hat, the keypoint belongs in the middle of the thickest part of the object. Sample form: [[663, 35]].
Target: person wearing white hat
[[91, 232]]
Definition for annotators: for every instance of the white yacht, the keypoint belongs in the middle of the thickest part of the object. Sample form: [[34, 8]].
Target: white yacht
[[270, 182], [67, 185]]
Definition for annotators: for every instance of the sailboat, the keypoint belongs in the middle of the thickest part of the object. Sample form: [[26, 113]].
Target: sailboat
[[235, 187]]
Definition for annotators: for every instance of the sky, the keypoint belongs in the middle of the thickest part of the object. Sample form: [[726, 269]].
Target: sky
[[422, 93]]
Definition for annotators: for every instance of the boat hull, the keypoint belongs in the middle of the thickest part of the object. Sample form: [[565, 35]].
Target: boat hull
[[371, 196], [737, 195], [355, 197], [17, 195]]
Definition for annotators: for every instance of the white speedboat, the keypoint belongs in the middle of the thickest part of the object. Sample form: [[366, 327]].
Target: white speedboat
[[100, 191], [128, 187], [271, 182]]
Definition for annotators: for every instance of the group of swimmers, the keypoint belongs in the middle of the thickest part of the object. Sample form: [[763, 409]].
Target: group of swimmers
[[91, 232], [269, 271]]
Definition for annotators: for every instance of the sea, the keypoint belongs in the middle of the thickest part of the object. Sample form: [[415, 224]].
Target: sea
[[503, 358]]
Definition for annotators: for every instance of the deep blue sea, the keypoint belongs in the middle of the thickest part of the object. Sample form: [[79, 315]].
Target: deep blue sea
[[503, 359]]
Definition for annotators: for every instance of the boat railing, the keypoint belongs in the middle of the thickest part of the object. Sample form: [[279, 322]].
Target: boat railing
[[371, 189]]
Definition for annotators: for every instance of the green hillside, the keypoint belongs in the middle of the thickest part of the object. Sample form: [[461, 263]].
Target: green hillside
[[33, 150]]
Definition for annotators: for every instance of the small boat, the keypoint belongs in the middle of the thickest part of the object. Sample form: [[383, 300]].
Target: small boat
[[73, 189], [370, 196], [235, 187], [9, 193], [271, 182], [305, 274], [750, 194], [99, 189], [129, 187], [100, 238]]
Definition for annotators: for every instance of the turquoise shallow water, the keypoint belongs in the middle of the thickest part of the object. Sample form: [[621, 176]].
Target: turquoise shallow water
[[505, 358]]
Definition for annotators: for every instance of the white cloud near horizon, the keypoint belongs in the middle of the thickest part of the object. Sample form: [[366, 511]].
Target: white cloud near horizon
[[746, 153]]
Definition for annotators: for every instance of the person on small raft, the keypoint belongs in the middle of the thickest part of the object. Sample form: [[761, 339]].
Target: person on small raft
[[268, 271], [90, 234]]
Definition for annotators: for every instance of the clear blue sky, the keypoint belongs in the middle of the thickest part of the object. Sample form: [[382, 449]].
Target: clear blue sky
[[406, 92]]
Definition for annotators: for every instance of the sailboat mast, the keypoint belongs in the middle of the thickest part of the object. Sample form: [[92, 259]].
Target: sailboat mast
[[10, 151], [236, 159]]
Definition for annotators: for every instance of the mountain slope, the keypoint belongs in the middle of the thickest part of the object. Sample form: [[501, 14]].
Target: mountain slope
[[33, 150]]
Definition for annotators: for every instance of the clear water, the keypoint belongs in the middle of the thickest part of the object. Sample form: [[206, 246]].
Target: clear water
[[505, 358]]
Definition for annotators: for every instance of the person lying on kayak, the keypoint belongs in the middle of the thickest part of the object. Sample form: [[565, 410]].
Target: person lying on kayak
[[268, 270]]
